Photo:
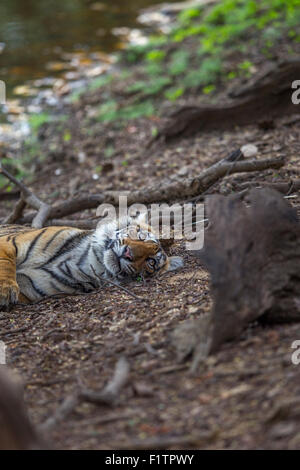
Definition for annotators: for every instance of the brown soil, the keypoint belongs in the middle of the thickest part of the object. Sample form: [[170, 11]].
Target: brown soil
[[231, 403]]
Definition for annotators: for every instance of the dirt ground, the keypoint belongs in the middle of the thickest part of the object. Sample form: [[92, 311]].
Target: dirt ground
[[246, 395]]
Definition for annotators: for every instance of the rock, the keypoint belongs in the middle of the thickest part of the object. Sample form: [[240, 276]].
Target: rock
[[183, 171], [81, 157], [249, 150]]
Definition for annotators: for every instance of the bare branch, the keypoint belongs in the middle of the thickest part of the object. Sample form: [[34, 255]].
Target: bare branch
[[188, 187], [16, 213], [64, 410], [31, 199], [85, 224], [108, 396]]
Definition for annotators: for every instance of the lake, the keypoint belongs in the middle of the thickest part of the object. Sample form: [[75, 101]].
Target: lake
[[38, 37]]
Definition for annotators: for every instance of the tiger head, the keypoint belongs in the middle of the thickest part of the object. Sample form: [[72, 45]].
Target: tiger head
[[130, 248]]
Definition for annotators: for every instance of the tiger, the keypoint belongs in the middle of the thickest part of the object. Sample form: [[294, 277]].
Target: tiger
[[39, 263]]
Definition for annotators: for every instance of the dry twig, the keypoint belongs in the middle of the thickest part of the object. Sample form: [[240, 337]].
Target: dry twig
[[29, 198], [108, 396]]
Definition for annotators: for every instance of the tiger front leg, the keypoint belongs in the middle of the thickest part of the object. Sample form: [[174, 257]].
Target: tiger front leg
[[9, 289]]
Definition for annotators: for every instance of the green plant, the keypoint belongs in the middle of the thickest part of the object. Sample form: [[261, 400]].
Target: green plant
[[135, 111], [206, 74], [208, 89], [98, 169], [245, 67], [186, 16], [37, 120], [109, 151], [134, 53], [108, 111], [101, 82], [154, 69], [151, 87], [155, 55], [179, 62], [231, 75], [75, 95], [173, 94], [154, 131]]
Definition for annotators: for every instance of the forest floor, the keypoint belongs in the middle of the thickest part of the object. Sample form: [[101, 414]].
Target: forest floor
[[246, 396]]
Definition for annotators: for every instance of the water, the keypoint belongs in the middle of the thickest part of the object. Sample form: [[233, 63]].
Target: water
[[37, 35]]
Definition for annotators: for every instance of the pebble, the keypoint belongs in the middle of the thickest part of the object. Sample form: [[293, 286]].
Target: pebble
[[81, 157], [183, 171], [249, 150]]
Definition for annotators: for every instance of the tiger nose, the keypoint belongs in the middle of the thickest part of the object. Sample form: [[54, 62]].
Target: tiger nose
[[127, 253]]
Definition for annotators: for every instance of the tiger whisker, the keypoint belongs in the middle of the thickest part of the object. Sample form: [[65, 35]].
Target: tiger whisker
[[109, 281]]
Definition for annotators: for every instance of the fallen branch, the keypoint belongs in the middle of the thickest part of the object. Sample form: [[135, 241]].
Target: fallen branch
[[62, 412], [108, 396], [69, 207], [191, 187], [29, 198], [17, 212], [188, 187], [84, 224]]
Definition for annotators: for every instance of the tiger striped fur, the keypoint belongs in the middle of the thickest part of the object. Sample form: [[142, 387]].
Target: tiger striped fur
[[39, 263]]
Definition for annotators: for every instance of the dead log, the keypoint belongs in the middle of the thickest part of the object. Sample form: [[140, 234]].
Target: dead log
[[253, 256], [16, 430], [267, 97], [252, 252], [185, 188]]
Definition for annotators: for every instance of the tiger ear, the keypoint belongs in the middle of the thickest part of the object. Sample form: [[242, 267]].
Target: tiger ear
[[175, 262]]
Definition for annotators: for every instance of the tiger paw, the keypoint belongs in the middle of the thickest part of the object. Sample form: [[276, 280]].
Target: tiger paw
[[9, 293]]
